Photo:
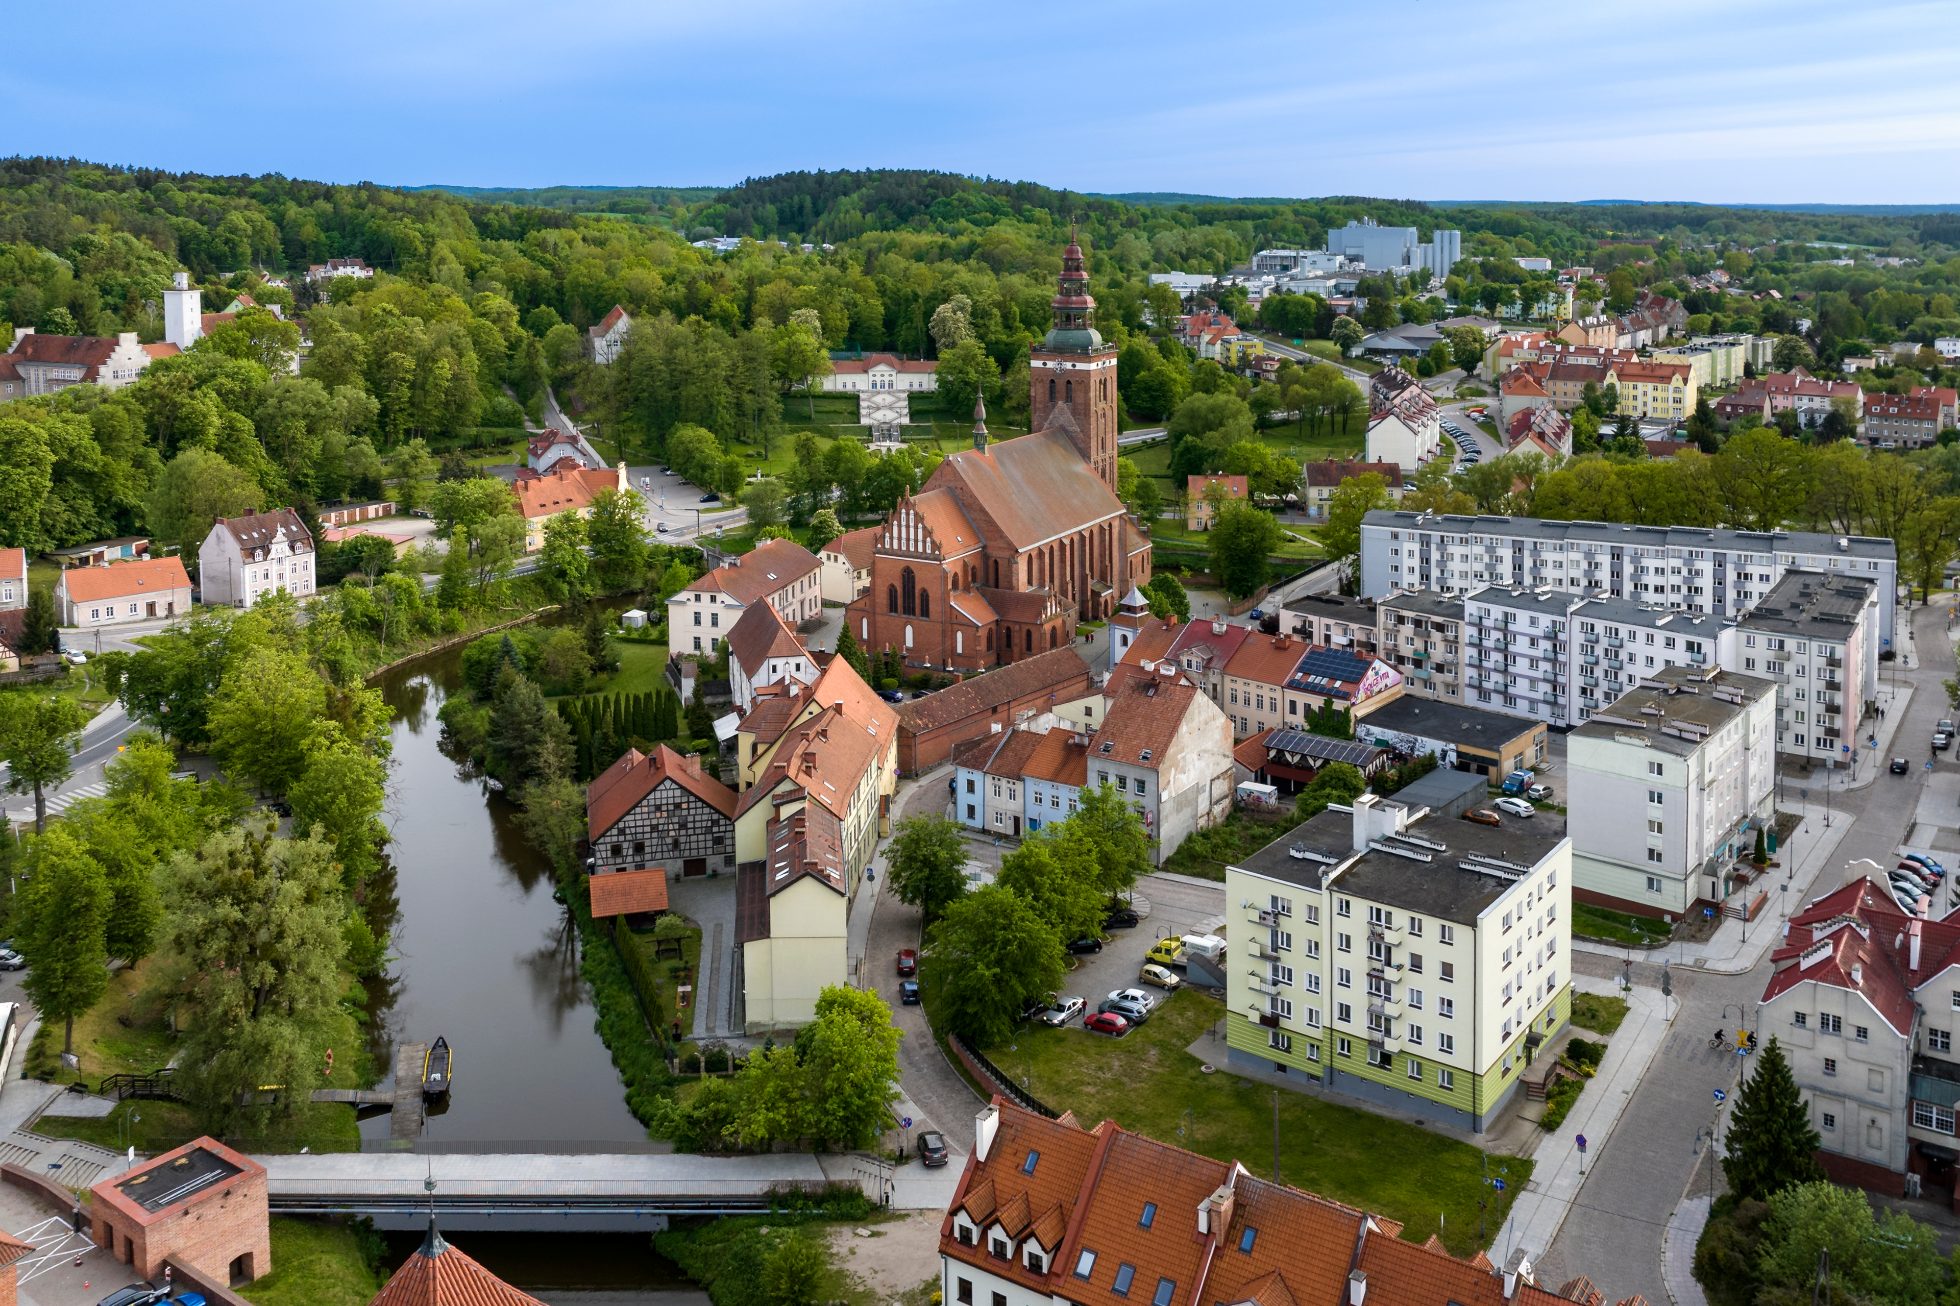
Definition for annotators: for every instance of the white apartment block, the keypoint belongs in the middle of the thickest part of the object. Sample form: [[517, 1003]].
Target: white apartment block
[[1422, 633], [1666, 787], [1413, 961], [245, 558], [1816, 636], [1723, 572]]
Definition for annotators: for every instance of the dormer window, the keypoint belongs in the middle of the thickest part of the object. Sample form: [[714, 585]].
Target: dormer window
[[965, 1234], [1035, 1260], [1001, 1248]]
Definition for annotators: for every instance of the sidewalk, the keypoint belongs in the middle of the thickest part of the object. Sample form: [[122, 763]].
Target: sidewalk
[[1558, 1175], [1736, 945], [1678, 1251]]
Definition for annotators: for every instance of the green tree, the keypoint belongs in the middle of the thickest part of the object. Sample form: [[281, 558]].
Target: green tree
[[849, 650], [926, 865], [460, 506], [256, 922], [793, 1272], [1347, 333], [617, 534], [563, 560], [40, 626], [1352, 500], [1928, 541], [37, 742], [990, 956], [1338, 782], [1167, 597], [766, 501], [798, 358], [1242, 541], [1771, 1143], [196, 488], [338, 797], [1055, 876], [849, 1059], [824, 527], [1892, 1258], [61, 918], [1113, 838], [551, 814], [965, 372], [495, 544], [263, 717]]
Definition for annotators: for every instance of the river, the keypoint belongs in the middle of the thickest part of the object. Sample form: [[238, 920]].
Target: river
[[483, 957]]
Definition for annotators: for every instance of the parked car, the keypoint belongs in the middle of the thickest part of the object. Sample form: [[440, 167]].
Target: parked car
[[1900, 766], [1120, 918], [1086, 944], [135, 1294], [1147, 1001], [1483, 816], [908, 961], [1941, 741], [1106, 1022], [74, 657], [11, 960], [1945, 725], [711, 497], [1129, 1011], [1159, 976], [1515, 806], [1039, 1005], [1927, 860], [1918, 872], [932, 1149], [908, 993], [1539, 793], [1063, 1011], [1167, 952], [188, 1299]]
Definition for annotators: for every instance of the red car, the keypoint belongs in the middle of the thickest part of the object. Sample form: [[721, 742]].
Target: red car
[[1107, 1022], [908, 961]]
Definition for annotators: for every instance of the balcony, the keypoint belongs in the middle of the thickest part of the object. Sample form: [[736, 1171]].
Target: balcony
[[1697, 659], [1264, 917], [1269, 1019], [1590, 659], [1834, 662], [1614, 641], [1589, 680]]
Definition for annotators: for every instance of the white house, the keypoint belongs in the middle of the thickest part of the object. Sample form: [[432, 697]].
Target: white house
[[1167, 749], [44, 364], [763, 651], [123, 592], [781, 573], [246, 557], [604, 341], [846, 563], [339, 267], [13, 579], [1666, 788], [883, 384]]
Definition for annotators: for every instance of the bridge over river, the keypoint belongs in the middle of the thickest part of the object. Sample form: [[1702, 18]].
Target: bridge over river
[[605, 1191]]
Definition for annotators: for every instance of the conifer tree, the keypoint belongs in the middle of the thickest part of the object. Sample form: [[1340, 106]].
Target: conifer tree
[[852, 652], [1771, 1144]]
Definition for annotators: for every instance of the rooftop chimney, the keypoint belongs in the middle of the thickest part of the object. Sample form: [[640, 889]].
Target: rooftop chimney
[[1516, 1268], [985, 1126], [1357, 1287], [1912, 934]]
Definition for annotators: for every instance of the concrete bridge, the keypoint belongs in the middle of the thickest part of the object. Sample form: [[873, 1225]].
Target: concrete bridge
[[594, 1191]]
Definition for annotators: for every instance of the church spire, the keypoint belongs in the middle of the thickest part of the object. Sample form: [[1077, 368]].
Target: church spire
[[979, 421], [1074, 309]]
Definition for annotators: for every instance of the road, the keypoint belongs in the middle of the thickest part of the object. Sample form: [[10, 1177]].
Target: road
[[1633, 1185]]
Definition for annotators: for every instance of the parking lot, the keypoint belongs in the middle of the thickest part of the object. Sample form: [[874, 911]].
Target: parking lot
[[1169, 905]]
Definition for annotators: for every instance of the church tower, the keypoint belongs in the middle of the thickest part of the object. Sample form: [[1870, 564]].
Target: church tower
[[1073, 372]]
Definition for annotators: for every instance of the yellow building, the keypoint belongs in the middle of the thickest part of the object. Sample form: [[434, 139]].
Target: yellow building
[[1666, 391], [791, 920], [1240, 351], [1199, 491]]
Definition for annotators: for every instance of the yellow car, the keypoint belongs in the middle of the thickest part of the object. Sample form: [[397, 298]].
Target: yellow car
[[1167, 952], [1157, 975]]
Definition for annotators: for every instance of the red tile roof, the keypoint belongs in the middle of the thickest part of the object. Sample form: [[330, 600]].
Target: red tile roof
[[628, 893], [13, 564], [65, 351], [1145, 714], [1913, 408], [162, 349], [121, 580], [807, 843], [767, 569], [979, 695], [257, 530], [1034, 488], [608, 322], [1059, 759], [759, 634], [1235, 487], [1858, 938], [826, 755], [620, 787], [440, 1275], [865, 362], [1330, 472], [563, 489], [1267, 660], [855, 547]]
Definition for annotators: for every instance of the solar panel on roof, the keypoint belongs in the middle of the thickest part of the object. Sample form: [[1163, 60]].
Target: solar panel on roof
[[1332, 750]]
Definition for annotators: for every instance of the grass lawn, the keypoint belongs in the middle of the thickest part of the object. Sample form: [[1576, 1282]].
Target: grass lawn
[[1597, 1012], [1147, 1082], [1618, 926], [1205, 852], [79, 684], [315, 1263], [1170, 533], [666, 971], [641, 667]]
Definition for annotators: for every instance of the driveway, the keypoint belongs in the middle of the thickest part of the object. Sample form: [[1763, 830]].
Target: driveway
[[709, 901]]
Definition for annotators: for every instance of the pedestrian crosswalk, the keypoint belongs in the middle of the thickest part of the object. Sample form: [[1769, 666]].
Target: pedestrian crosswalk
[[59, 803]]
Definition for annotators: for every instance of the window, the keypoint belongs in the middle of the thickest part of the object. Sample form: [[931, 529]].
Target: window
[[1162, 1297], [1801, 1020], [1343, 943], [1861, 1033], [963, 1291], [1656, 797], [1085, 1264], [1027, 1166], [1657, 857], [1415, 999], [1413, 1033], [1281, 906], [1654, 826], [1939, 1040], [1655, 768], [1343, 977], [1830, 1024], [1653, 881], [1830, 1065], [1447, 969], [1446, 1007], [1925, 1115], [1446, 933], [1000, 1247], [1246, 1238], [1830, 1121], [1445, 1078], [1415, 1070], [1279, 1041], [1415, 927], [1149, 1215], [1124, 1274], [1313, 981], [1343, 1047], [1343, 907], [1446, 1044], [1343, 1012]]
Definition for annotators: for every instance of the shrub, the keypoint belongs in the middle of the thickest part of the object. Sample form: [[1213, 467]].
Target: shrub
[[1584, 1056], [1558, 1102]]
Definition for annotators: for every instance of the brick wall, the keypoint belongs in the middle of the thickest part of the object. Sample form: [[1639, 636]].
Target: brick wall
[[208, 1235]]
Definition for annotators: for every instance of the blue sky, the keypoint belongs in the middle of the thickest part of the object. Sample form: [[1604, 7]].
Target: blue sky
[[1744, 100]]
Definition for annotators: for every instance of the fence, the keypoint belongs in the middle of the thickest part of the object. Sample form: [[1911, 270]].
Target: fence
[[987, 1072], [156, 1085]]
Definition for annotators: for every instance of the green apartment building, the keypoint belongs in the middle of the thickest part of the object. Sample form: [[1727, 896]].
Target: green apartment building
[[1402, 956]]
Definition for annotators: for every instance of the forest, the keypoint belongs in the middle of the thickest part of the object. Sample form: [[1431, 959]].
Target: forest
[[483, 299]]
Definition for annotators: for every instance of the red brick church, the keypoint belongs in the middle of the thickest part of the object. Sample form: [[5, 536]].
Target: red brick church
[[1009, 545]]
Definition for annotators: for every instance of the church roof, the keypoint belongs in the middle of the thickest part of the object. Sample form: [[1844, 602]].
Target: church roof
[[440, 1275], [1035, 488]]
